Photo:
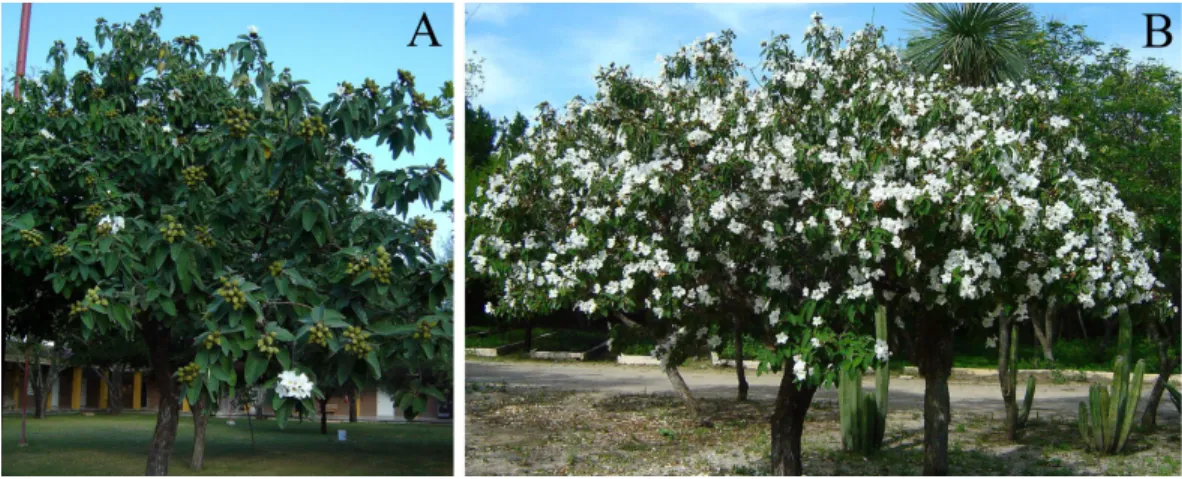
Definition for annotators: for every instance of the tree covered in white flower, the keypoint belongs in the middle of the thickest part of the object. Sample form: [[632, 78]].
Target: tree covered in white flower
[[837, 181]]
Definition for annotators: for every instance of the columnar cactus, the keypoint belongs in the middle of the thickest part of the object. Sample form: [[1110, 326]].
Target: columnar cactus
[[1028, 401], [1107, 417], [863, 418]]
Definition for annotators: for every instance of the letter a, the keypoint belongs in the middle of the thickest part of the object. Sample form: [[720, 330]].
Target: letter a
[[430, 32]]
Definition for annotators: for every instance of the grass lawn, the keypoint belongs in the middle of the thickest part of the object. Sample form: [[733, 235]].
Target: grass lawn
[[71, 445]]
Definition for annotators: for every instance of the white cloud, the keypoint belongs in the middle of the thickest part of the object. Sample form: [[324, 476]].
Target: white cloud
[[509, 73], [631, 41], [495, 13]]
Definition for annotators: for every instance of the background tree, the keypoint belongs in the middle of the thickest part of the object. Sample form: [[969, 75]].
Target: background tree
[[1128, 114], [222, 215]]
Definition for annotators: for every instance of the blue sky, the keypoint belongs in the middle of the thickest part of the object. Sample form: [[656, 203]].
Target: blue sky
[[324, 44], [550, 52]]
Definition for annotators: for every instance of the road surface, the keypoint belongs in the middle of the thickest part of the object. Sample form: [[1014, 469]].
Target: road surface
[[906, 392]]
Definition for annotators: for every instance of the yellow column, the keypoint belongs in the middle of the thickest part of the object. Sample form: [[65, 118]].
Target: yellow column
[[138, 383], [102, 394], [357, 404], [49, 400], [185, 405], [76, 395]]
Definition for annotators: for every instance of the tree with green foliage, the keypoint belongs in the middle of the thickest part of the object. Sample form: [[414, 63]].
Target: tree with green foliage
[[1128, 113], [978, 43], [202, 198]]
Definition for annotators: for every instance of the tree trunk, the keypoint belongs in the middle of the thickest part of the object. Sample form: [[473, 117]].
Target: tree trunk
[[792, 403], [353, 405], [1008, 388], [1165, 365], [38, 402], [114, 383], [200, 420], [682, 390], [168, 410], [935, 355], [740, 370], [1045, 332], [324, 415], [529, 335]]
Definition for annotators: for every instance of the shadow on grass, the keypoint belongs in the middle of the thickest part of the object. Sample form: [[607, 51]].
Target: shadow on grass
[[118, 445]]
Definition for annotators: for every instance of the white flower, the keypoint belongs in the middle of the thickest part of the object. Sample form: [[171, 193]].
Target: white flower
[[167, 128], [781, 338], [881, 351], [11, 110], [175, 95], [714, 341], [815, 342], [991, 342], [253, 30], [817, 321], [488, 308], [292, 385], [47, 134], [116, 223], [800, 368]]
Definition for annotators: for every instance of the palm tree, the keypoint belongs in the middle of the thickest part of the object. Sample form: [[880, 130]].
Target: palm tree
[[979, 41]]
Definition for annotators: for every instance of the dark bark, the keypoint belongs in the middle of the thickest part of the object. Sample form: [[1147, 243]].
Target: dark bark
[[200, 420], [1008, 388], [353, 405], [168, 410], [1045, 330], [38, 403], [324, 415], [935, 354], [1165, 365], [792, 403], [682, 390], [740, 371], [529, 335]]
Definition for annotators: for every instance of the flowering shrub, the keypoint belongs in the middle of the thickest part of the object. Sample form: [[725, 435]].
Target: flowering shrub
[[834, 182], [228, 214]]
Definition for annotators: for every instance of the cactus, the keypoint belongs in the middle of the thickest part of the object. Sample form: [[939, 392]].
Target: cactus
[[1024, 412], [1106, 418], [863, 417], [1175, 396], [1028, 400]]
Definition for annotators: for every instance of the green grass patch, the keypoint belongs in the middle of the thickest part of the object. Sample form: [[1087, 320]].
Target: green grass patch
[[75, 445], [570, 340], [751, 349], [1070, 354]]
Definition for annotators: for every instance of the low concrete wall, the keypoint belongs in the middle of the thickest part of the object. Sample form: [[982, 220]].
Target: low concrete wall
[[1072, 375], [569, 355], [637, 360], [494, 352], [750, 364]]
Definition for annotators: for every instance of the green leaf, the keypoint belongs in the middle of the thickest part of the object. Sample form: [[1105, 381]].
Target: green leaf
[[308, 216], [375, 368], [256, 365], [168, 306]]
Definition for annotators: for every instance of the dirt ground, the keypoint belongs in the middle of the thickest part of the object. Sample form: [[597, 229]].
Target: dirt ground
[[541, 426]]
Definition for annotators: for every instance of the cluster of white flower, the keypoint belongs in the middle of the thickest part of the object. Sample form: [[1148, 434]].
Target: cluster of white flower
[[116, 223], [293, 385]]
